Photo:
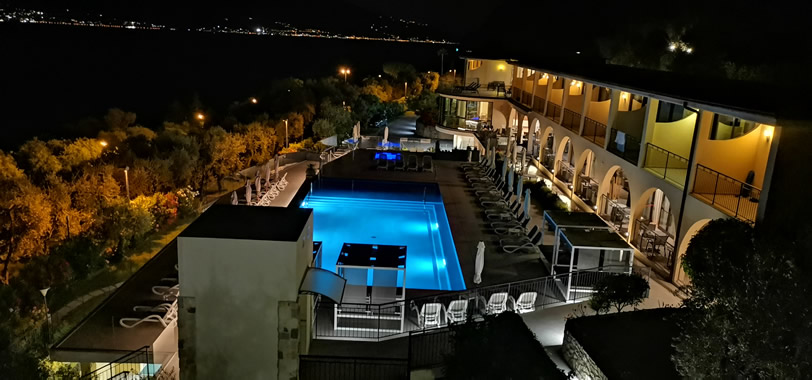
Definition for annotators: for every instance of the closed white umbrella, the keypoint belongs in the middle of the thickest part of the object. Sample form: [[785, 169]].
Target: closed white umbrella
[[479, 262], [515, 151], [527, 202], [248, 193], [510, 177], [257, 185], [524, 157], [385, 136], [519, 184], [268, 174], [504, 169], [356, 131], [470, 155], [235, 200]]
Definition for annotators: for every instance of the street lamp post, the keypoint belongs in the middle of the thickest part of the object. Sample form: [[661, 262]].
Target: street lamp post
[[405, 88], [127, 181], [48, 315], [345, 72], [286, 133]]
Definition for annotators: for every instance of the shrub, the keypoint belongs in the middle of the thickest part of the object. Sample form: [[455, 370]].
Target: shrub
[[82, 254], [618, 291]]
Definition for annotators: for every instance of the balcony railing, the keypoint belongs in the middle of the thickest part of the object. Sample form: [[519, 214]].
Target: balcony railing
[[130, 366], [553, 111], [516, 94], [527, 98], [666, 165], [376, 322], [538, 104], [594, 131], [726, 193], [571, 121], [317, 367], [624, 145]]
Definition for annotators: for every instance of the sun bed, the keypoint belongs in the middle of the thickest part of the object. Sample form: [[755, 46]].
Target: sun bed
[[411, 163], [497, 303], [525, 303], [457, 311], [429, 315], [428, 164]]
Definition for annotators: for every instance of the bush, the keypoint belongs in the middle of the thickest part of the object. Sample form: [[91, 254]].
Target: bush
[[188, 203], [82, 254], [546, 199], [618, 291]]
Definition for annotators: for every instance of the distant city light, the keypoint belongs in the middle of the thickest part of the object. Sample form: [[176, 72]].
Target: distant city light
[[672, 46], [259, 30], [254, 100], [103, 143]]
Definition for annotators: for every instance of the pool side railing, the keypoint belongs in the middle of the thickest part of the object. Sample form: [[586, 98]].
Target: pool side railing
[[378, 322]]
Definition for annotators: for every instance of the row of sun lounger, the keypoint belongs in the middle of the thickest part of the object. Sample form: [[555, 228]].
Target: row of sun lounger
[[410, 164], [502, 209], [436, 314]]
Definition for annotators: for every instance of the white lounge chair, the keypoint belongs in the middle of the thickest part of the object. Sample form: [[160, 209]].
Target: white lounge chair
[[527, 247], [520, 239], [497, 303], [457, 311], [164, 318], [162, 308], [429, 315], [283, 182], [525, 304], [166, 291]]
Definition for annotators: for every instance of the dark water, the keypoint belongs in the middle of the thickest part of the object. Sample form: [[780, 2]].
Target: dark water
[[55, 75]]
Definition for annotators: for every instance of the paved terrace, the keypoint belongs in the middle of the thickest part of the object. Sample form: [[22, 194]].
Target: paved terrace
[[465, 216]]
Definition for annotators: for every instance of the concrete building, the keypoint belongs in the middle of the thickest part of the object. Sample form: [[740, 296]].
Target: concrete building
[[655, 157]]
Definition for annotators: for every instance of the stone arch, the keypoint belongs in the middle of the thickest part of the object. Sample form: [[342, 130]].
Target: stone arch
[[584, 166], [680, 277], [512, 119], [547, 148], [563, 156], [651, 215], [614, 193]]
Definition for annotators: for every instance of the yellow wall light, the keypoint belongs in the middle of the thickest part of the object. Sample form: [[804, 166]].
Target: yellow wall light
[[500, 67]]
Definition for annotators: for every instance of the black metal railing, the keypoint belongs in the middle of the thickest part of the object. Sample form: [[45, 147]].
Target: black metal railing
[[137, 364], [666, 164], [627, 147], [377, 322], [616, 214], [594, 131], [428, 348], [726, 193], [316, 367], [571, 120], [516, 94], [553, 111], [538, 104], [527, 98]]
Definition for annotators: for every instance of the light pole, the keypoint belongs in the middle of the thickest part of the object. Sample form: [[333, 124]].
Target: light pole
[[286, 133], [200, 117], [127, 181], [405, 89], [48, 315], [345, 72]]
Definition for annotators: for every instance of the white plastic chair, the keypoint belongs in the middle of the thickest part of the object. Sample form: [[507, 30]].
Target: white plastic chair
[[526, 302], [497, 303], [164, 318], [429, 315], [457, 311]]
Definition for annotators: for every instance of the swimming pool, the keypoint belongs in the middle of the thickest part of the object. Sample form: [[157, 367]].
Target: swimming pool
[[407, 214]]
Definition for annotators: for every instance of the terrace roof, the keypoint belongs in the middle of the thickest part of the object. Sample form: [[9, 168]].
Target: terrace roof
[[579, 238]]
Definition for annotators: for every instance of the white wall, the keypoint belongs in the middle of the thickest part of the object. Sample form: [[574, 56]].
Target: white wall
[[235, 287], [490, 71]]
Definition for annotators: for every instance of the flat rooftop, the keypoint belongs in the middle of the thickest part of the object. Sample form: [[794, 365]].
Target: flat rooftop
[[249, 223], [578, 219], [597, 239], [99, 337]]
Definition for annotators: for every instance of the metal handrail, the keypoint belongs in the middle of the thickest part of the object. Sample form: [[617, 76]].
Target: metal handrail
[[553, 111], [729, 194], [670, 157], [631, 152], [539, 103], [597, 128], [571, 120], [139, 356]]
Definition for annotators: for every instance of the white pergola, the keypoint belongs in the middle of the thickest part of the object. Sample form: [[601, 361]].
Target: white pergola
[[553, 222]]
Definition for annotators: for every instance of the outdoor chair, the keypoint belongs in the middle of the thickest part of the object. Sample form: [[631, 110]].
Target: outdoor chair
[[429, 315], [411, 163], [283, 182], [528, 247], [521, 220], [472, 87], [428, 164], [400, 165], [164, 318], [517, 228], [382, 164], [497, 303], [166, 291], [160, 308], [457, 311], [525, 304], [520, 239]]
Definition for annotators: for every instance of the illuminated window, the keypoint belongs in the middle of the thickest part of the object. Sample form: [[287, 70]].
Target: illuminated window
[[530, 72], [520, 72], [474, 64]]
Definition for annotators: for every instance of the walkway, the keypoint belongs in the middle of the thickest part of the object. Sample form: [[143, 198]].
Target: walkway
[[404, 126]]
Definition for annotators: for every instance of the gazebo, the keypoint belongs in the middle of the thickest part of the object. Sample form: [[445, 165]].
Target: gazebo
[[554, 222], [602, 252], [375, 288]]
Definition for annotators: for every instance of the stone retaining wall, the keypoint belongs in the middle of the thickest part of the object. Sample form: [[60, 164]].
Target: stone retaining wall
[[578, 359]]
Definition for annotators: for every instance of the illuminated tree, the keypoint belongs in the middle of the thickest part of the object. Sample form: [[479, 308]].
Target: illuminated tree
[[39, 161], [223, 152], [323, 128]]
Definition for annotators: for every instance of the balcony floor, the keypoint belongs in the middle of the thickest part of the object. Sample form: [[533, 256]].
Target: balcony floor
[[675, 177], [727, 203]]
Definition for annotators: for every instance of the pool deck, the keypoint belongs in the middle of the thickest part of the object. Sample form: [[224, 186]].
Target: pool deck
[[465, 216]]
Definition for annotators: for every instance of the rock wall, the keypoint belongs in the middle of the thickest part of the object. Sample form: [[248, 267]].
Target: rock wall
[[579, 360]]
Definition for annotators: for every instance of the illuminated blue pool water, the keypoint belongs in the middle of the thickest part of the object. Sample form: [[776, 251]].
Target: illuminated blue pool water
[[375, 213]]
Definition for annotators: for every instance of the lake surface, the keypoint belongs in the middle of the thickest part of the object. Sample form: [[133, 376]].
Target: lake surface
[[54, 75]]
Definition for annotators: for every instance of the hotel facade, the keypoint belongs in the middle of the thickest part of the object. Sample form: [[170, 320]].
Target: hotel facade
[[655, 165]]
